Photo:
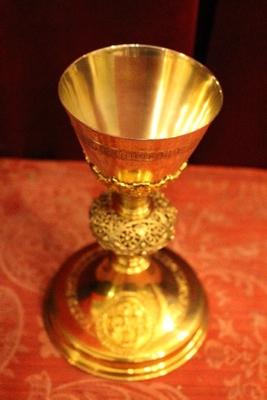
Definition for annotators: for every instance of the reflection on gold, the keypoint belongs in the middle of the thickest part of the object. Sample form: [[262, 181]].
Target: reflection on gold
[[140, 92], [182, 335], [168, 323], [139, 108], [127, 307], [135, 176]]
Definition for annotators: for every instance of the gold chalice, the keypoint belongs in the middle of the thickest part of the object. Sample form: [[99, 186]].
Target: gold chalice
[[126, 307]]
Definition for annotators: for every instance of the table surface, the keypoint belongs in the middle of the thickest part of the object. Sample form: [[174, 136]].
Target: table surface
[[221, 231]]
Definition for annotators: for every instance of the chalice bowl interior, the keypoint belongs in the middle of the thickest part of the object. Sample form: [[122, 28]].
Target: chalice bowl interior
[[127, 307]]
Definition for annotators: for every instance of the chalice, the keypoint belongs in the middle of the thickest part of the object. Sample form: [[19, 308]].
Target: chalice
[[127, 307]]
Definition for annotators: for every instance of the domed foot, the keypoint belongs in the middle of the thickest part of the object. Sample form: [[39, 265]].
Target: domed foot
[[121, 326]]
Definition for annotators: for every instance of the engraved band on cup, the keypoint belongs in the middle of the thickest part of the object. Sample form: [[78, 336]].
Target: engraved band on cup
[[135, 155]]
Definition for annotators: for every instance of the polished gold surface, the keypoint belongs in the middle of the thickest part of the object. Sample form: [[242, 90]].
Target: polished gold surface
[[127, 307], [137, 107], [131, 182], [140, 92], [126, 326]]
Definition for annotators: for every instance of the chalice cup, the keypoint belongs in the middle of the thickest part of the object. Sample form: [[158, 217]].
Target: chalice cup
[[127, 307]]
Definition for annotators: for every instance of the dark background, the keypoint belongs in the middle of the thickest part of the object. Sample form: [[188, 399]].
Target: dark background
[[39, 39]]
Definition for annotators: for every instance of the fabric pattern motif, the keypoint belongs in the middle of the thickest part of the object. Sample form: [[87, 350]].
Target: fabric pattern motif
[[221, 231]]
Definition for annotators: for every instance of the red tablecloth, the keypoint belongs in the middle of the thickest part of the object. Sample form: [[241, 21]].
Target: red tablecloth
[[221, 231]]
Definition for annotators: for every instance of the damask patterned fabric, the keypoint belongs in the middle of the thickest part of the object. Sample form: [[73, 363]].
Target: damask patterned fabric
[[221, 231]]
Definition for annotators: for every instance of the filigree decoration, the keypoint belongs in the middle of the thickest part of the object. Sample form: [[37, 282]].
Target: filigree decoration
[[137, 237], [134, 188]]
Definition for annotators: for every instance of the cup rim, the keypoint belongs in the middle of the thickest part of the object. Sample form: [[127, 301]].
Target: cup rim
[[159, 49]]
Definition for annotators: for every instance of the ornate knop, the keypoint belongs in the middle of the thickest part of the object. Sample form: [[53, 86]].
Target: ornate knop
[[136, 236]]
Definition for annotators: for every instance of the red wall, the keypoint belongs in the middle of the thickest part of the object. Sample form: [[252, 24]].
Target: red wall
[[237, 54], [40, 38]]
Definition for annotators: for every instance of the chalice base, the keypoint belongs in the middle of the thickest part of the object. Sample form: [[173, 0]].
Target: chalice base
[[121, 326]]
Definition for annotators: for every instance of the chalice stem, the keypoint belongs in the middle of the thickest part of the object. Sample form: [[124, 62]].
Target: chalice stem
[[130, 265], [127, 307], [132, 207]]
